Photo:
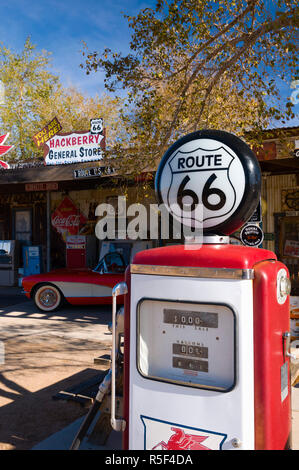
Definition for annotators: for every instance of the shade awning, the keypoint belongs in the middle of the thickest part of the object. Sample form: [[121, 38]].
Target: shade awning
[[280, 166]]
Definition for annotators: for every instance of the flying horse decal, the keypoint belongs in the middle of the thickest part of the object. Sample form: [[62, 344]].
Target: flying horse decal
[[181, 441]]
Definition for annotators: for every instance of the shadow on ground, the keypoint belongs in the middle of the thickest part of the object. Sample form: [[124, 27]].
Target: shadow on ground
[[32, 417], [46, 353], [11, 296]]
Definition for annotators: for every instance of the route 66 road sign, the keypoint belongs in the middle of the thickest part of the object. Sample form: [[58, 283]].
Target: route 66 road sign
[[214, 171]]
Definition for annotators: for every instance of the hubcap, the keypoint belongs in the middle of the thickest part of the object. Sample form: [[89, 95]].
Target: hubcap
[[48, 298]]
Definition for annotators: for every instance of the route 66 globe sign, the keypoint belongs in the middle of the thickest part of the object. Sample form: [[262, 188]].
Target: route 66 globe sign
[[214, 171]]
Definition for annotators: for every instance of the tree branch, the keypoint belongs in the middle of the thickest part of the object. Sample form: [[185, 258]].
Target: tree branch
[[277, 24]]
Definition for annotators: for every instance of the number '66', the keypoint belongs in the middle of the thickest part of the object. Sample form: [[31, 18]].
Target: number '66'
[[207, 192]]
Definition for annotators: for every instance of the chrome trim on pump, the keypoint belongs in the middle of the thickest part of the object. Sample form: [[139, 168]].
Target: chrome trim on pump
[[182, 271], [117, 424]]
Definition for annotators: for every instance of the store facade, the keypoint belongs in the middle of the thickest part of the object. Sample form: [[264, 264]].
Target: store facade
[[52, 207], [279, 161]]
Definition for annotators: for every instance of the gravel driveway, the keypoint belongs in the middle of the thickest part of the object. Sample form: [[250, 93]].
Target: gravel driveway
[[44, 354]]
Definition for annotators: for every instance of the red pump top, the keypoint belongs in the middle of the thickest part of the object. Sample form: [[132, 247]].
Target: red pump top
[[205, 256]]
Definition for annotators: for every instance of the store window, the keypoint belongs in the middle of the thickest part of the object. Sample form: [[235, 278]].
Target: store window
[[23, 225], [2, 230]]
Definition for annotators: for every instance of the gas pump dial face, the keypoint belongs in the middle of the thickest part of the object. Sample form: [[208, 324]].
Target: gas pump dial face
[[209, 180], [187, 343]]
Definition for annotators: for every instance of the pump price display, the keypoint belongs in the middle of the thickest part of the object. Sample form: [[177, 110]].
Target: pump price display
[[204, 319], [189, 364], [187, 350], [186, 343]]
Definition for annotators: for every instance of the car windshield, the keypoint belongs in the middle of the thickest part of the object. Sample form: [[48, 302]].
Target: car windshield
[[112, 263]]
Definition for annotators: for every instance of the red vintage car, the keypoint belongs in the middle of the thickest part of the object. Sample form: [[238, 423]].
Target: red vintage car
[[76, 286]]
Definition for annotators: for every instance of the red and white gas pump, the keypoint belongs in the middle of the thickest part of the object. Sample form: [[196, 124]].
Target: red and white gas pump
[[206, 330], [206, 362], [206, 350]]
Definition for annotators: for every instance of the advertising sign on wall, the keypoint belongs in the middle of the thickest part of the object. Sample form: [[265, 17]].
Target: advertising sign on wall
[[67, 218], [47, 132], [74, 147], [291, 248], [52, 186], [290, 199]]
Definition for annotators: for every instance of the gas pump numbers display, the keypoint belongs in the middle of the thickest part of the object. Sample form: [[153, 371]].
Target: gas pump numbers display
[[193, 351], [178, 317], [186, 343], [188, 363]]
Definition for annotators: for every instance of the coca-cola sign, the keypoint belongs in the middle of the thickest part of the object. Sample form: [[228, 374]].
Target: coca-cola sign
[[67, 218]]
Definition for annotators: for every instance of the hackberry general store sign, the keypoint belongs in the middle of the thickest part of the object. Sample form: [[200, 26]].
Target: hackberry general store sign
[[75, 147]]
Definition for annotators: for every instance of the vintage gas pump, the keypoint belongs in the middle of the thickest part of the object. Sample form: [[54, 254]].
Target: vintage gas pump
[[206, 326], [206, 330]]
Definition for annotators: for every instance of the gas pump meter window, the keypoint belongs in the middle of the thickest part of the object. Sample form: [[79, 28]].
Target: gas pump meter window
[[190, 344]]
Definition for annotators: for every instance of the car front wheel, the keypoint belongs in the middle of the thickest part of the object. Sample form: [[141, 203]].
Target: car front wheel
[[47, 298]]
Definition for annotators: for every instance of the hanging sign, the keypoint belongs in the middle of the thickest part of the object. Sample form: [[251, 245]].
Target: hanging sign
[[251, 235], [93, 172], [214, 171], [47, 132], [75, 147]]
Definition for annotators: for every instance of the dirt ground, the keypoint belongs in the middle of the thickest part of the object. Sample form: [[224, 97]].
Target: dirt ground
[[45, 354]]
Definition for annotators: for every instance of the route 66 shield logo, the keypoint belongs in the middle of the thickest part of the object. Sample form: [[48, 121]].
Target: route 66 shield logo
[[208, 169], [210, 180]]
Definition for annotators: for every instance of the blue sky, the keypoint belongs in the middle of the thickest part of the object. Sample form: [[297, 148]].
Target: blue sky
[[60, 26]]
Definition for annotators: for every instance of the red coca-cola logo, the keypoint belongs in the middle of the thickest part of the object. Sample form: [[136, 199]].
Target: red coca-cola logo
[[67, 218], [70, 221]]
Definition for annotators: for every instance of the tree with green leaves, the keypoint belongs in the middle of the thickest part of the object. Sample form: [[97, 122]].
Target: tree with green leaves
[[201, 64], [26, 80], [32, 96], [74, 110]]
